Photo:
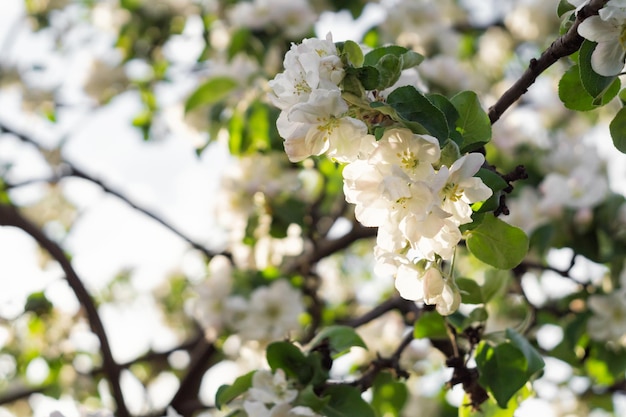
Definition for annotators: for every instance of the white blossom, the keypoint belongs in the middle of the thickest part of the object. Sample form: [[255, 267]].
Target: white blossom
[[608, 29], [608, 322]]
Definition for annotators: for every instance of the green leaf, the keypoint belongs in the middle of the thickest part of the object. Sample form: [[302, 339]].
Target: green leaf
[[564, 7], [346, 401], [388, 395], [470, 291], [574, 96], [430, 324], [497, 243], [353, 52], [373, 56], [411, 59], [389, 68], [494, 282], [533, 358], [286, 356], [451, 114], [413, 106], [491, 409], [340, 339], [473, 123], [617, 127], [212, 91], [594, 83], [227, 393], [502, 370]]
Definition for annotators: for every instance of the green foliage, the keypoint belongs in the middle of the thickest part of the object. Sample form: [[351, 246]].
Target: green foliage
[[473, 123], [491, 409], [418, 113], [494, 181], [497, 243], [574, 95], [389, 395], [339, 338], [345, 401], [471, 292], [210, 92], [430, 324], [227, 393], [506, 367], [618, 130], [596, 85]]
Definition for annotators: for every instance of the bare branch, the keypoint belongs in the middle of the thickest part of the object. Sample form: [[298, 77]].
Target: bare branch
[[9, 216], [562, 47]]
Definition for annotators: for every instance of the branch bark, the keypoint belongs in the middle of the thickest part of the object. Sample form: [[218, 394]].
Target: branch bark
[[10, 216], [562, 47]]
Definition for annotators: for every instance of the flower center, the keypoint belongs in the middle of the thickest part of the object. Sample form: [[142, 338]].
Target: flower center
[[452, 192], [407, 159]]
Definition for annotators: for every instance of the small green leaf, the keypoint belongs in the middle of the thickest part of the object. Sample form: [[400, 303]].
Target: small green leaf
[[373, 56], [413, 106], [473, 123], [212, 91], [470, 291], [389, 68], [340, 339], [430, 324], [574, 96], [617, 127], [345, 401], [533, 358], [353, 52], [227, 393], [564, 7], [497, 243], [286, 356], [502, 370], [411, 59], [594, 83]]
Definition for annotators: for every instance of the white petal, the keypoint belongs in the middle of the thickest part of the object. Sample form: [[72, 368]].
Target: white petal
[[608, 58]]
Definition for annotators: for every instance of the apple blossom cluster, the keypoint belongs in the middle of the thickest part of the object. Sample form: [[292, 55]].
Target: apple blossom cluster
[[399, 183], [272, 396], [608, 29], [269, 313]]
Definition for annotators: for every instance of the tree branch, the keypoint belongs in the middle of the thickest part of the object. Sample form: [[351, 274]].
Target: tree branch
[[562, 47], [9, 216], [71, 170]]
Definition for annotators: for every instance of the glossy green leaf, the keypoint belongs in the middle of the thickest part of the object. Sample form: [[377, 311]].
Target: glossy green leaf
[[533, 358], [413, 106], [617, 127], [594, 83], [502, 370], [497, 243], [286, 356], [574, 96], [373, 56], [210, 92], [430, 324], [227, 393], [470, 291], [340, 339], [450, 113], [345, 401], [473, 123]]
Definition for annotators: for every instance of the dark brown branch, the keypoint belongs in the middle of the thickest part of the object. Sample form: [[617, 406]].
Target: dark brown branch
[[380, 364], [9, 216], [201, 360], [395, 303], [71, 170], [19, 392], [562, 47]]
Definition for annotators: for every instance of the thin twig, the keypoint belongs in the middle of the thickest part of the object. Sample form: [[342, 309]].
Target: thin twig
[[562, 47], [9, 216], [71, 170]]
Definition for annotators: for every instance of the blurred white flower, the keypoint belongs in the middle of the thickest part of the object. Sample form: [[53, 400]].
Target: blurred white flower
[[272, 313], [608, 322]]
